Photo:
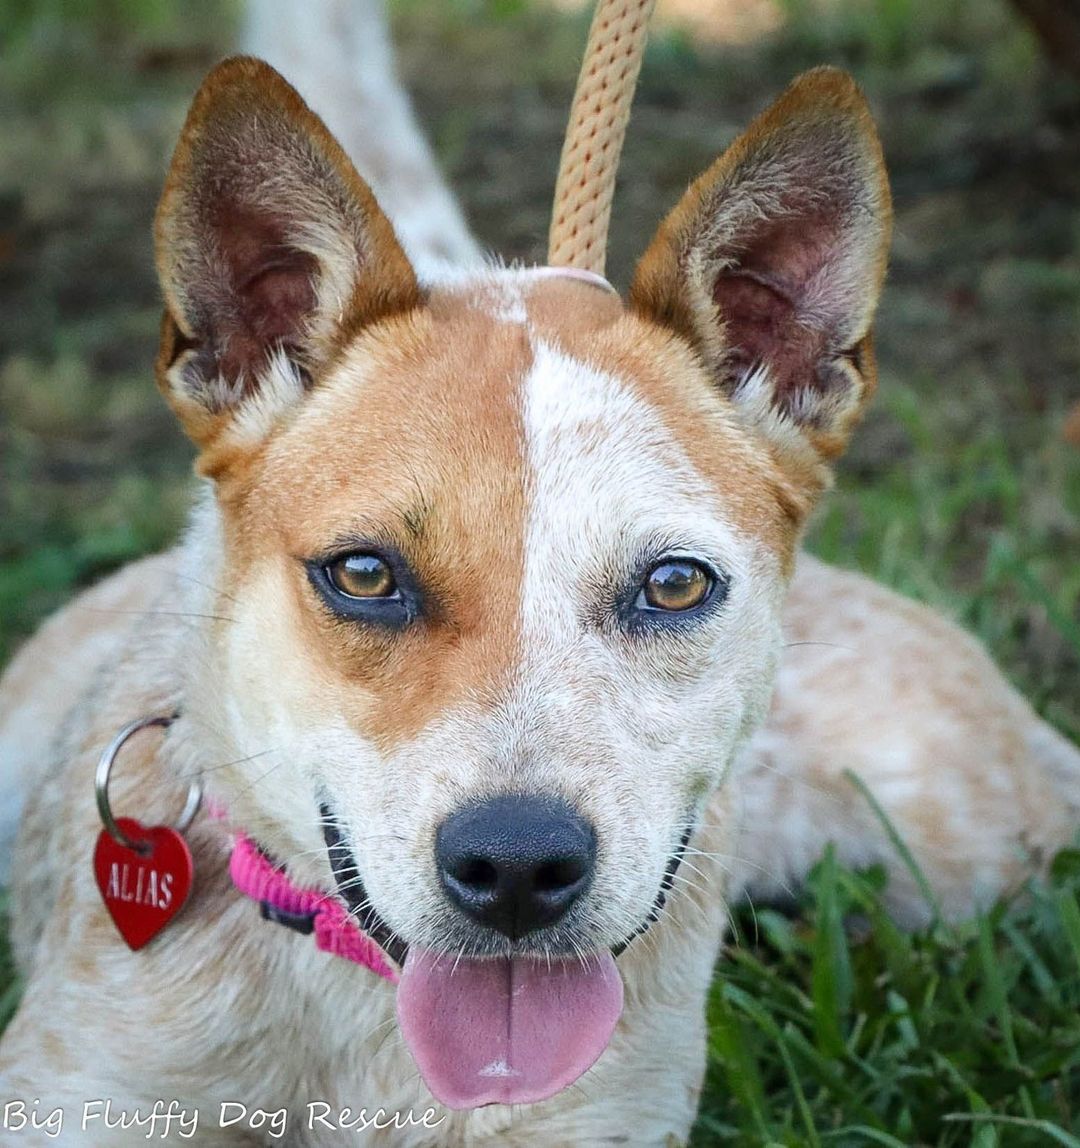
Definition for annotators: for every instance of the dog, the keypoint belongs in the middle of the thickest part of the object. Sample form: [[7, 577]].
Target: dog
[[490, 626]]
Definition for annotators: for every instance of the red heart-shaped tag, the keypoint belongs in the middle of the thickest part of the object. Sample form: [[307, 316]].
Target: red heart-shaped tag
[[143, 889]]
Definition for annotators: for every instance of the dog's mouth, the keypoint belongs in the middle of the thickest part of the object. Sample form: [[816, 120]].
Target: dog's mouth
[[666, 883], [513, 1029], [351, 888]]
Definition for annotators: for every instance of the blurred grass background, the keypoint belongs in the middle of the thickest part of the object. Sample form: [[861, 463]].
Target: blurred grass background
[[960, 488]]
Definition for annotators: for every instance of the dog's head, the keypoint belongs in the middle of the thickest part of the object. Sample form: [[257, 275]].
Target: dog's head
[[503, 559]]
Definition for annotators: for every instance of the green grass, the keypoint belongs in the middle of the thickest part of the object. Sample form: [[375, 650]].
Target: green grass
[[955, 1036], [828, 1027]]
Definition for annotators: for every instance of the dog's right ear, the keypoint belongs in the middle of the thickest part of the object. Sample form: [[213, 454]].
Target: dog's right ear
[[271, 252]]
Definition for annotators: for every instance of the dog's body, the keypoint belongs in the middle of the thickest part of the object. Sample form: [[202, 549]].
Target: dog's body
[[226, 1008], [581, 444]]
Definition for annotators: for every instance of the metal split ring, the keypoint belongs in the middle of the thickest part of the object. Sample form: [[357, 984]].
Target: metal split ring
[[101, 783]]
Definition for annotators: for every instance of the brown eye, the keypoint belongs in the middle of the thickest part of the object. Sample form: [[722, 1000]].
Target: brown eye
[[362, 576], [676, 585]]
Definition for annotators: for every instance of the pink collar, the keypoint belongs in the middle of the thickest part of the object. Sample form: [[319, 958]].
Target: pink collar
[[305, 910]]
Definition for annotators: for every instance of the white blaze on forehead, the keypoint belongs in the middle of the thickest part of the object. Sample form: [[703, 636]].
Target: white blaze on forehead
[[619, 726], [605, 474]]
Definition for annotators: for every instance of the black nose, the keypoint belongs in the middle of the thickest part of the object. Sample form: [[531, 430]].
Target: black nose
[[515, 863]]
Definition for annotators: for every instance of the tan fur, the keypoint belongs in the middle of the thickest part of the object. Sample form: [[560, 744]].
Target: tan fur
[[455, 483], [982, 791], [518, 439]]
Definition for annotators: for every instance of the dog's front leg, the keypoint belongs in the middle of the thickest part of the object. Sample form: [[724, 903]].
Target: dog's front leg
[[60, 1084]]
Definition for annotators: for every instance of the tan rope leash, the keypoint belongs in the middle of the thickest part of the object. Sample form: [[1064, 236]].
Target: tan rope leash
[[595, 133]]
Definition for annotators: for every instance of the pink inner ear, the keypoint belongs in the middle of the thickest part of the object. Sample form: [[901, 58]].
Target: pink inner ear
[[763, 330], [275, 300], [776, 305], [270, 292]]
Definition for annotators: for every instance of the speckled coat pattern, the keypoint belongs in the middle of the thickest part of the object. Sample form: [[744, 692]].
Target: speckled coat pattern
[[524, 438]]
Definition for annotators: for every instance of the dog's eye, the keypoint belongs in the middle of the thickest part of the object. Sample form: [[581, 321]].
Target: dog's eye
[[675, 586], [367, 586], [364, 576]]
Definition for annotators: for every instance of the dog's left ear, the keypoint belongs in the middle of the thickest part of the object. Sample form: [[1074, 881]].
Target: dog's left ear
[[772, 263], [271, 252]]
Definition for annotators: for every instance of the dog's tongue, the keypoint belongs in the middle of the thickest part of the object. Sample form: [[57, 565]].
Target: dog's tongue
[[502, 1030]]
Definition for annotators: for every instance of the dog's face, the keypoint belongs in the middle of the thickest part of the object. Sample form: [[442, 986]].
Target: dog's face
[[504, 558], [500, 551]]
